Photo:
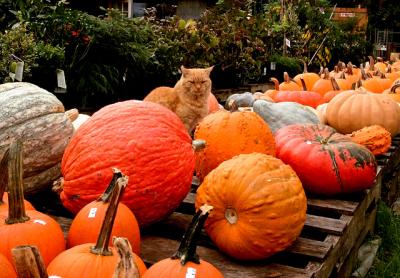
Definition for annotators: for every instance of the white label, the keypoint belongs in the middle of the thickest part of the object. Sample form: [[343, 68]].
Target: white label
[[287, 42], [92, 212], [19, 71], [39, 221], [61, 79], [190, 272]]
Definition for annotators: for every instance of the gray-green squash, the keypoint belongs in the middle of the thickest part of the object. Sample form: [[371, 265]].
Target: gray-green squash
[[37, 117], [281, 114]]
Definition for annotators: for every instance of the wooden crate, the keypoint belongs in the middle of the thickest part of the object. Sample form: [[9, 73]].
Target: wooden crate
[[327, 247]]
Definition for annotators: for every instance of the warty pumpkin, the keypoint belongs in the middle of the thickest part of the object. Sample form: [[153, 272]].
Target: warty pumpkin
[[21, 227], [185, 262], [375, 138], [228, 134], [259, 206], [277, 115], [147, 142], [87, 223], [326, 162], [352, 110], [37, 117], [91, 260]]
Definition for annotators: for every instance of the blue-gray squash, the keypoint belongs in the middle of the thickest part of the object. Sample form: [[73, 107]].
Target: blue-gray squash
[[281, 114]]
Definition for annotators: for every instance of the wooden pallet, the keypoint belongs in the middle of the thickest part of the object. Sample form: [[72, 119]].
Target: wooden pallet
[[327, 247]]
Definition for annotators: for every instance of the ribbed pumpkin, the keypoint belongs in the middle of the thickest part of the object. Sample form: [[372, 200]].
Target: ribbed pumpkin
[[36, 117], [259, 206], [147, 142], [377, 84], [228, 134], [350, 111], [185, 262], [7, 269], [93, 260], [375, 138], [326, 162], [20, 227], [86, 225], [277, 115]]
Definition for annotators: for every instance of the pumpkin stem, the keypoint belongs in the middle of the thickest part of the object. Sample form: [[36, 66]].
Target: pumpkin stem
[[303, 83], [305, 70], [126, 267], [106, 196], [3, 174], [335, 85], [349, 70], [393, 89], [29, 262], [72, 114], [187, 249], [276, 83], [101, 247], [16, 206], [326, 73], [198, 144], [371, 63]]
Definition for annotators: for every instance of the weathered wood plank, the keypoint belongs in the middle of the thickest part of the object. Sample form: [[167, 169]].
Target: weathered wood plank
[[311, 248], [341, 206], [325, 224]]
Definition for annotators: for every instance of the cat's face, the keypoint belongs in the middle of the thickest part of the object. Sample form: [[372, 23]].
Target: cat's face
[[196, 80]]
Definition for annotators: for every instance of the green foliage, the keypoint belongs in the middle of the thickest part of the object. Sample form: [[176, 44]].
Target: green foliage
[[387, 262], [291, 65], [23, 45]]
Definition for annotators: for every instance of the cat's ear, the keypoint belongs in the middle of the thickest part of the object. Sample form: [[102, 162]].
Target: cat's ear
[[184, 70], [208, 70]]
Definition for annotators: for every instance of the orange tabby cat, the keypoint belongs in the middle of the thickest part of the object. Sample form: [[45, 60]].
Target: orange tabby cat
[[188, 99]]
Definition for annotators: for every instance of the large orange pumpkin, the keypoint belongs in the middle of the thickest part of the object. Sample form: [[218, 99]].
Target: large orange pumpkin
[[147, 142], [326, 162], [228, 134], [91, 260], [259, 206], [7, 269], [86, 225], [352, 110], [185, 262], [20, 227]]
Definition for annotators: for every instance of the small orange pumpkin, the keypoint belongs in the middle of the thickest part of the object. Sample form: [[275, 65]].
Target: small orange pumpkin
[[87, 223], [309, 78], [376, 138], [91, 260], [259, 206], [186, 261], [394, 91], [20, 227], [288, 84], [228, 134], [7, 269]]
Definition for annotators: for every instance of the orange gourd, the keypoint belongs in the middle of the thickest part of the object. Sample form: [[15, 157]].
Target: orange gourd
[[375, 84], [92, 260], [20, 227], [352, 110], [259, 206], [87, 223], [228, 134], [323, 85], [377, 139], [272, 93], [328, 96], [288, 84], [185, 262]]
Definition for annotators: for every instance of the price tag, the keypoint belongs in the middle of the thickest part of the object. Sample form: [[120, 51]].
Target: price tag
[[190, 272], [19, 71], [92, 212], [61, 79]]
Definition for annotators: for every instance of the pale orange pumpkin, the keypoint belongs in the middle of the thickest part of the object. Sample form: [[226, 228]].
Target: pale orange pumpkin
[[259, 206], [228, 134], [352, 110]]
